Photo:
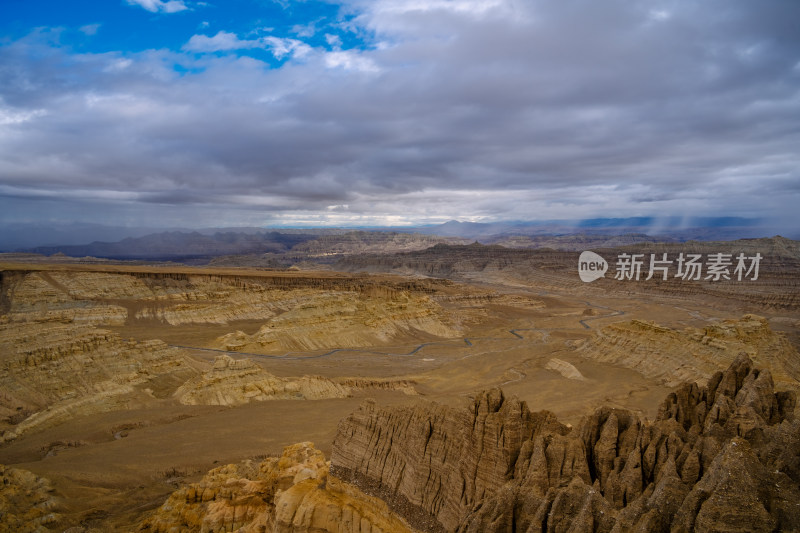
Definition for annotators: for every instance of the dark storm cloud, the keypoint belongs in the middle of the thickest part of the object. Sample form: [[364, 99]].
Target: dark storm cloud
[[459, 108]]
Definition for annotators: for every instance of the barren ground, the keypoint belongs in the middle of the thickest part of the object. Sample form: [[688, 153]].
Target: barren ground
[[111, 467]]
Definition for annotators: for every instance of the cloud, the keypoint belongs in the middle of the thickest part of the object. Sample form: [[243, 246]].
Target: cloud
[[334, 41], [159, 6], [8, 117], [305, 30], [349, 60], [281, 47], [470, 109], [225, 42], [222, 41], [90, 29]]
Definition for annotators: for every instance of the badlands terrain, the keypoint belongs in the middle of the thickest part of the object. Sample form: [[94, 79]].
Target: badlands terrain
[[453, 387]]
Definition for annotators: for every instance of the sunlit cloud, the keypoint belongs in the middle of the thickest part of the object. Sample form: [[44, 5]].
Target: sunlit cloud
[[222, 41], [159, 6]]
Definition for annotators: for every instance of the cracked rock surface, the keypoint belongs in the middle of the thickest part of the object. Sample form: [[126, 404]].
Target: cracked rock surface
[[724, 457]]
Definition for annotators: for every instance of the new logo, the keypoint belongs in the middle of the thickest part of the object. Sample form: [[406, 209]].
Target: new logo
[[591, 266]]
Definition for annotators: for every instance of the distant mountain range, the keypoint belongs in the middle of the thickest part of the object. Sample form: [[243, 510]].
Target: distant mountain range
[[182, 245], [671, 228]]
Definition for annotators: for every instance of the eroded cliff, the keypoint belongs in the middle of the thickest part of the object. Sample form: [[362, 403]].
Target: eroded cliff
[[63, 353], [52, 372], [293, 493], [694, 354], [725, 457], [345, 319]]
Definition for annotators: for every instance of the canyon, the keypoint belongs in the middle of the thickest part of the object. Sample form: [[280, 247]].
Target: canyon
[[719, 457], [451, 388]]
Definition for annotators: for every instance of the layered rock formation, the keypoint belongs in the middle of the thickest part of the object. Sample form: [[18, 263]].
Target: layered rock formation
[[360, 310], [694, 354], [27, 502], [292, 493], [236, 382], [49, 373], [57, 361], [345, 320], [40, 297], [232, 382], [725, 457]]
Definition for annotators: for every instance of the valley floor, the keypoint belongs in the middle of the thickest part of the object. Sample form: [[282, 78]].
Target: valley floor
[[120, 385]]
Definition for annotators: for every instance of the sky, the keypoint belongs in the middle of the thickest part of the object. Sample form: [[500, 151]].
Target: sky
[[183, 113]]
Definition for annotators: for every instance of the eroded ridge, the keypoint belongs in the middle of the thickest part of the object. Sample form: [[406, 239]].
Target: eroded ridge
[[721, 457], [292, 493], [673, 356]]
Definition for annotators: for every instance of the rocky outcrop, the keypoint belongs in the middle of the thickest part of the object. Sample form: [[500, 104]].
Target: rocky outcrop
[[694, 354], [345, 320], [723, 457], [406, 386], [235, 382], [437, 460], [52, 372], [324, 310], [564, 368], [40, 297], [293, 493], [27, 503]]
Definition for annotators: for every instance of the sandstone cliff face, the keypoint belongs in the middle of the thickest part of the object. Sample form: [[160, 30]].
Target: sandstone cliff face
[[49, 373], [56, 361], [445, 460], [290, 494], [693, 354], [724, 457], [315, 320], [300, 312], [186, 298], [40, 297], [718, 458]]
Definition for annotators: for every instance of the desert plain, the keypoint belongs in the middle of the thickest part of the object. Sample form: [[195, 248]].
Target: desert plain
[[125, 387]]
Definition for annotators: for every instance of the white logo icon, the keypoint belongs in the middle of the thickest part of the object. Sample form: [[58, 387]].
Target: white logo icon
[[591, 266]]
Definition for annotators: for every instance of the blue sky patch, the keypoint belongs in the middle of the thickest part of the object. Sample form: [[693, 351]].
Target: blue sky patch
[[241, 27]]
